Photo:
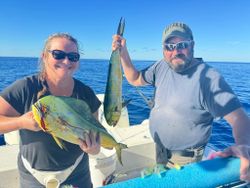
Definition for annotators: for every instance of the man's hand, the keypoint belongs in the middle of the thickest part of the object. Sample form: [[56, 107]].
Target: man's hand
[[119, 42], [241, 151]]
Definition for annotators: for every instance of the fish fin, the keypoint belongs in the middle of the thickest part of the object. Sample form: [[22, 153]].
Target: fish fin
[[125, 103], [59, 142], [118, 149]]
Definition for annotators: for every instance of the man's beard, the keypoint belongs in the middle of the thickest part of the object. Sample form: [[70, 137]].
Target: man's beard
[[181, 65]]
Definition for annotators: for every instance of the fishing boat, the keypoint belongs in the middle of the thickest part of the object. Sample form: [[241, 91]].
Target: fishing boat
[[104, 167]]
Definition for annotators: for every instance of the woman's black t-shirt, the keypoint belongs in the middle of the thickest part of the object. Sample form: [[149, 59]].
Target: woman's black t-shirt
[[39, 148]]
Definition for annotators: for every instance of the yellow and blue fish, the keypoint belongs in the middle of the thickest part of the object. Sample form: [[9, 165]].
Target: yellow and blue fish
[[70, 119]]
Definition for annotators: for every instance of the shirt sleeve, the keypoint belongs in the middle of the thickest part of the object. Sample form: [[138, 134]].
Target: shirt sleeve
[[148, 74], [220, 99], [155, 71], [15, 95]]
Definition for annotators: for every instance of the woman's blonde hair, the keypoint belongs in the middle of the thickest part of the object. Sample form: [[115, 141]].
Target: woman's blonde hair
[[42, 74]]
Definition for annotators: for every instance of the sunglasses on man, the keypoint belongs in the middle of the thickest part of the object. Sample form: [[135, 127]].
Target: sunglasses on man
[[59, 55], [178, 46]]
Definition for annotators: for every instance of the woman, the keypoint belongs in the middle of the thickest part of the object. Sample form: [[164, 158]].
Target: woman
[[38, 151]]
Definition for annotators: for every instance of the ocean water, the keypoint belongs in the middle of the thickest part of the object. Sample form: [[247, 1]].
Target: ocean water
[[94, 73]]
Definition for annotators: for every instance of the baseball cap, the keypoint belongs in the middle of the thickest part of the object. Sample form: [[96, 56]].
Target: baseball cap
[[177, 29]]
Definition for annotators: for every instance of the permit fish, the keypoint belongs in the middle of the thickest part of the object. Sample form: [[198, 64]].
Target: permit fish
[[70, 119], [113, 93]]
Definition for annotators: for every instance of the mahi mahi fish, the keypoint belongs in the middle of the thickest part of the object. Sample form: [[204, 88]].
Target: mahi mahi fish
[[70, 119], [113, 93]]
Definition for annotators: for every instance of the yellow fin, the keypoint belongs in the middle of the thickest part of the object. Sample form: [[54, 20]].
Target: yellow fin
[[59, 142]]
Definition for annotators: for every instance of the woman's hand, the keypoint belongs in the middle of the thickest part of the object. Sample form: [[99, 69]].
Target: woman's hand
[[27, 121], [91, 144]]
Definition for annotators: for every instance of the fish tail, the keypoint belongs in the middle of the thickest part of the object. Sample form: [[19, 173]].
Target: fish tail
[[118, 149]]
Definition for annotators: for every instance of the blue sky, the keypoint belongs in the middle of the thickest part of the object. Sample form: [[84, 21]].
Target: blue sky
[[221, 28]]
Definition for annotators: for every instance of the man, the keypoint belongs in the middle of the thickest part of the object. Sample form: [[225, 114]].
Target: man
[[189, 94]]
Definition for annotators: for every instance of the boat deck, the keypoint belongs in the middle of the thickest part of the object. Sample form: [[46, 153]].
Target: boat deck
[[8, 166]]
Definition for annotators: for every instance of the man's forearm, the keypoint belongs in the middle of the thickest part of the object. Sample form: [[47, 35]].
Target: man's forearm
[[240, 123]]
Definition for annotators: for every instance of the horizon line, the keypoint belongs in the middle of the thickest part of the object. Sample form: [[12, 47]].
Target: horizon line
[[209, 61]]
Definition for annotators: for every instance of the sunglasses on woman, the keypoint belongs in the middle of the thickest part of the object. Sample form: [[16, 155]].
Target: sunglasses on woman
[[178, 46], [59, 55]]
